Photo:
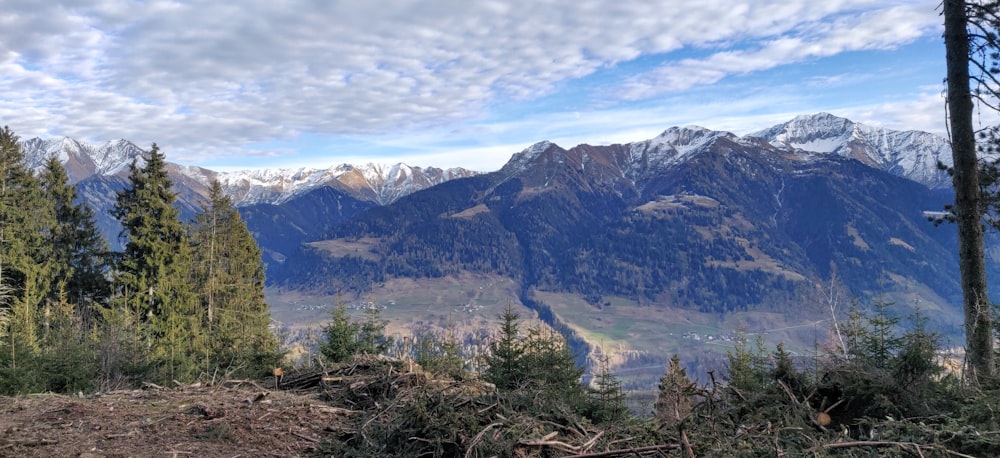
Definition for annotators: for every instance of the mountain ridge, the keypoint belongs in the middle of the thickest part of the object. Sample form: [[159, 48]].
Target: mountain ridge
[[911, 154], [378, 183]]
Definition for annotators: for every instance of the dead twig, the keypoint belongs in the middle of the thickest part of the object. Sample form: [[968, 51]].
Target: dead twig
[[548, 443], [303, 436], [479, 437]]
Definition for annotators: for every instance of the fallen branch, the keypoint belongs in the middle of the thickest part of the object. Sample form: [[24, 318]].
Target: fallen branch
[[546, 443], [333, 410], [30, 442], [303, 436], [244, 382], [627, 451]]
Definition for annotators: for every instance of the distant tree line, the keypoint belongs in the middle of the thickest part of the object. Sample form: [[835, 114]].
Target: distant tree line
[[181, 301]]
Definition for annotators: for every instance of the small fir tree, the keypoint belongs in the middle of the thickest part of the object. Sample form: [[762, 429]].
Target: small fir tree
[[676, 395], [340, 335], [607, 396], [371, 337], [440, 355], [504, 364]]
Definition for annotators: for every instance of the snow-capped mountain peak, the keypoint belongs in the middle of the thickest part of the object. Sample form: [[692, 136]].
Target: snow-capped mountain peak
[[378, 183], [821, 133], [82, 159], [909, 154]]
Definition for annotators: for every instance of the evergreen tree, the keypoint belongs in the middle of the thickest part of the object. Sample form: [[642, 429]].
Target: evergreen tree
[[747, 366], [340, 335], [345, 338], [371, 337], [80, 255], [607, 396], [67, 362], [440, 354], [152, 276], [677, 395], [504, 364], [549, 363], [25, 261], [541, 361], [229, 280]]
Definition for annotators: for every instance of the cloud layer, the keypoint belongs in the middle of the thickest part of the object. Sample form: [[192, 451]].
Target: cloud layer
[[211, 78]]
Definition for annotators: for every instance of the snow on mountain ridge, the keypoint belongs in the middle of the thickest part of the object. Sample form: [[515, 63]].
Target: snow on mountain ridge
[[81, 159], [676, 144], [910, 154], [380, 183]]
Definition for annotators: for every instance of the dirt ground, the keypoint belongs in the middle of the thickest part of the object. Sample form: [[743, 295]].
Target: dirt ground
[[229, 420]]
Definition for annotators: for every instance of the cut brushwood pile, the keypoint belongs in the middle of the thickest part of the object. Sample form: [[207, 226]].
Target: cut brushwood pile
[[380, 407]]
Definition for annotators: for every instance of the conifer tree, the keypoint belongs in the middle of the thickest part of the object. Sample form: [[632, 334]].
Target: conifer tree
[[344, 338], [229, 279], [504, 364], [607, 395], [152, 276], [80, 255], [340, 335], [371, 337], [540, 360], [25, 258], [676, 395], [439, 354]]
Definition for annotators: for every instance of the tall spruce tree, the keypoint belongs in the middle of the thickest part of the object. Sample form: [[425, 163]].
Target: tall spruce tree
[[80, 255], [229, 279], [152, 276], [25, 258], [79, 260]]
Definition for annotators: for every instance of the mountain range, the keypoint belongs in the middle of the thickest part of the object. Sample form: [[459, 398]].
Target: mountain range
[[674, 218], [100, 169], [696, 227]]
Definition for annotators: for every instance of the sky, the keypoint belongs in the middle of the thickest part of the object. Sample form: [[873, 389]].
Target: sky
[[246, 84]]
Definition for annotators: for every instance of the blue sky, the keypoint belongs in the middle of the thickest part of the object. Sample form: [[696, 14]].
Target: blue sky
[[266, 83]]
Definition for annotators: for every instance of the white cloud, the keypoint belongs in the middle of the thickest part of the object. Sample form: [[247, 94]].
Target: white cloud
[[206, 78], [884, 28]]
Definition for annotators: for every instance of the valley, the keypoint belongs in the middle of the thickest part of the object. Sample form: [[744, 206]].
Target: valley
[[636, 251]]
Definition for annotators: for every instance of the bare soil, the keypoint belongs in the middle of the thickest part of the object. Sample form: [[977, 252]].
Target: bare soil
[[229, 420]]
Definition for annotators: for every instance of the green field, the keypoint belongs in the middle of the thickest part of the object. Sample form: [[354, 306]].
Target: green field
[[637, 340], [461, 304]]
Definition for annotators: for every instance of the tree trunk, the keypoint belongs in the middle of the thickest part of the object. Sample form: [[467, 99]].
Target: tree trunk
[[978, 332]]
